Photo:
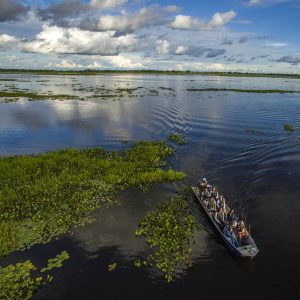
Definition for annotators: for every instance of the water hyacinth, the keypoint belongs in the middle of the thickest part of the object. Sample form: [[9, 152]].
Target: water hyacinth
[[22, 280], [43, 196], [177, 138], [168, 231]]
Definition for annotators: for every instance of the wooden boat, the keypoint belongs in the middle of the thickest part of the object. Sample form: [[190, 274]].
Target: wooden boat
[[248, 249]]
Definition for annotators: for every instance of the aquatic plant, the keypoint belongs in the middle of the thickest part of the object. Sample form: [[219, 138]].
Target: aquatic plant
[[21, 280], [288, 127], [168, 230], [112, 267], [177, 138], [34, 96], [43, 196]]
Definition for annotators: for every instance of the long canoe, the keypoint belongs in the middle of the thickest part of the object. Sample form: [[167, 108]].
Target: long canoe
[[248, 249]]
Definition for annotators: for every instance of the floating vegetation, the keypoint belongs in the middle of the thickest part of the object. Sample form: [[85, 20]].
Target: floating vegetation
[[43, 196], [112, 267], [168, 230], [165, 88], [240, 90], [288, 127], [21, 280], [177, 138], [35, 96], [249, 130]]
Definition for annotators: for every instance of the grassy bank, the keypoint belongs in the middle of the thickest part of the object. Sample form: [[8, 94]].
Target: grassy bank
[[43, 196], [167, 72]]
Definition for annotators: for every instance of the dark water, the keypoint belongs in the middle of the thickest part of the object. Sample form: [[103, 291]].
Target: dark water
[[235, 139]]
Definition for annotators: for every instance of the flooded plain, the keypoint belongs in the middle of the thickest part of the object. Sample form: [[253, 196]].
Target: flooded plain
[[236, 140]]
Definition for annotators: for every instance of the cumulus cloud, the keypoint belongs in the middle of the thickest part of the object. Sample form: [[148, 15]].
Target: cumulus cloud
[[163, 47], [220, 19], [67, 64], [74, 8], [289, 59], [188, 22], [11, 10], [123, 23], [7, 42], [53, 39], [122, 62]]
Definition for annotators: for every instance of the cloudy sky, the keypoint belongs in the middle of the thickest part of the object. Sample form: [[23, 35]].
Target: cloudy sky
[[222, 35]]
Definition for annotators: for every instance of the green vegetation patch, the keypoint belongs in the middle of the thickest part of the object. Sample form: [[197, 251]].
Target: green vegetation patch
[[43, 196], [22, 280], [288, 127], [240, 90], [34, 96], [177, 138], [168, 230]]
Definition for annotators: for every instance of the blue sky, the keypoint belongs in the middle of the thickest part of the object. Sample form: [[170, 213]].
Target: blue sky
[[224, 35]]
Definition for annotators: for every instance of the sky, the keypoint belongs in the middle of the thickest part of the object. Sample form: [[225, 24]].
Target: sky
[[207, 35]]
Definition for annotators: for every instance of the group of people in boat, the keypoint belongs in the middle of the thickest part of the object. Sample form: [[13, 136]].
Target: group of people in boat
[[233, 227]]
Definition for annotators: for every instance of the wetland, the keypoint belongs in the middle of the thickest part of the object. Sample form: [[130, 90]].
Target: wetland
[[93, 192]]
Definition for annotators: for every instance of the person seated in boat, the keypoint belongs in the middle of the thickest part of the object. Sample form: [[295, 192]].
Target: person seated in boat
[[215, 193], [231, 217], [242, 232], [212, 206], [219, 218], [221, 203], [229, 233]]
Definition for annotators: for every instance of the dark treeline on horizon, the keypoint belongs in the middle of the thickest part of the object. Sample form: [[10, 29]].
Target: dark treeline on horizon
[[144, 71]]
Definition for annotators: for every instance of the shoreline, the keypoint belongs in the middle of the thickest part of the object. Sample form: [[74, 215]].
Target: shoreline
[[145, 72]]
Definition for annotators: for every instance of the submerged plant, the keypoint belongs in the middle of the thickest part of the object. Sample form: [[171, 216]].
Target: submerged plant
[[177, 138], [288, 127], [168, 230], [43, 196], [21, 280]]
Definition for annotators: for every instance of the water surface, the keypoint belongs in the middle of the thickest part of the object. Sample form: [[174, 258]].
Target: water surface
[[236, 140]]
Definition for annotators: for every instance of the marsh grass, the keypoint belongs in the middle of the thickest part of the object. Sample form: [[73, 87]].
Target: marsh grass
[[168, 231], [43, 196]]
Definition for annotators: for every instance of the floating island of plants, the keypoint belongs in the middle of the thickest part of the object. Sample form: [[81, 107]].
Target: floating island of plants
[[43, 196], [168, 230]]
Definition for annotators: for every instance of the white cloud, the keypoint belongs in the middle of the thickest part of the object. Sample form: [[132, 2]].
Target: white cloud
[[181, 49], [7, 42], [162, 47], [266, 2], [55, 39], [188, 22], [106, 3], [122, 62], [276, 45], [67, 64], [220, 19]]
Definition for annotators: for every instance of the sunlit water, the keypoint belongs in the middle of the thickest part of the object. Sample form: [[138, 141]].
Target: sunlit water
[[236, 140]]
